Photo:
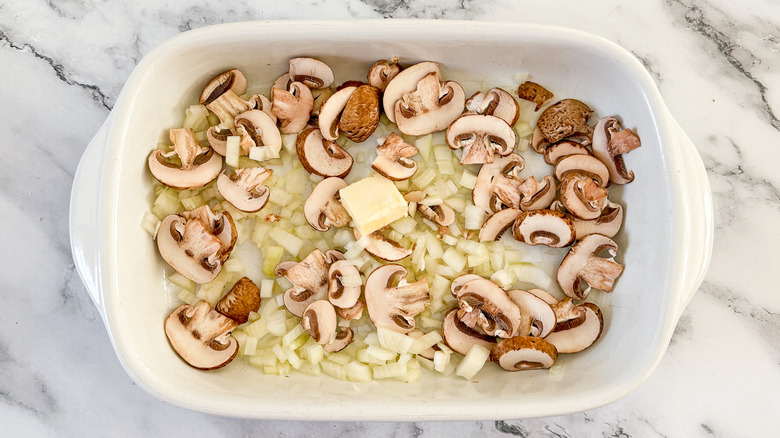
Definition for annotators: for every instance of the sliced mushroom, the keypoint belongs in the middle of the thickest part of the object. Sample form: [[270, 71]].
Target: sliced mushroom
[[330, 112], [583, 164], [481, 137], [496, 225], [392, 160], [309, 279], [535, 93], [544, 227], [320, 156], [563, 148], [220, 223], [524, 353], [459, 281], [461, 337], [343, 338], [243, 298], [382, 72], [354, 312], [572, 338], [537, 196], [323, 208], [404, 82], [383, 248], [483, 303], [495, 102], [244, 189], [540, 144], [498, 184], [198, 167], [360, 116], [563, 118], [221, 96], [264, 104], [392, 303], [217, 138], [538, 316], [583, 268], [313, 73], [440, 214], [340, 294], [192, 245], [607, 224], [582, 196], [319, 319], [257, 128], [292, 107], [545, 296], [431, 107], [609, 145], [201, 336], [281, 83]]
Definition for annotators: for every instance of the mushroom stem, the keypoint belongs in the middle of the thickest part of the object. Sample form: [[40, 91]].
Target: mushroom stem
[[601, 273]]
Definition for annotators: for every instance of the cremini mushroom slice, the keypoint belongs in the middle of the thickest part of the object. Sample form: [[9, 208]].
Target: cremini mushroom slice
[[481, 137], [221, 96], [563, 119], [461, 337], [535, 93], [537, 195], [431, 107], [544, 227], [320, 156], [563, 148], [314, 73], [498, 184], [343, 338], [194, 246], [281, 83], [547, 297], [483, 303], [243, 298], [392, 302], [354, 312], [360, 116], [330, 112], [405, 82], [257, 128], [201, 336], [583, 268], [392, 158], [609, 145], [583, 164], [607, 224], [538, 316], [217, 138], [309, 279], [319, 319], [292, 107], [459, 281], [383, 248], [540, 144], [582, 196], [198, 167], [497, 224], [495, 102], [382, 72], [244, 189], [581, 327], [323, 208], [264, 104], [344, 284], [524, 353], [440, 214]]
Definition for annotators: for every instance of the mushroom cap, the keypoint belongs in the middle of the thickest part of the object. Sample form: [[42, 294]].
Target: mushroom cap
[[484, 303], [524, 353], [544, 227], [394, 307], [563, 119], [542, 315], [243, 297], [495, 226], [201, 336], [320, 320], [312, 72], [563, 148], [232, 80], [360, 116], [481, 137], [581, 336], [537, 196], [431, 107], [292, 107], [343, 338], [535, 93], [204, 170], [330, 112], [392, 160], [607, 224], [547, 297], [404, 82], [190, 248], [459, 281], [584, 265], [383, 248], [281, 83], [257, 128], [382, 72], [218, 139], [440, 214], [498, 184], [244, 189], [609, 143], [323, 208], [309, 279], [461, 337], [495, 102], [582, 196], [583, 164], [339, 294], [320, 156]]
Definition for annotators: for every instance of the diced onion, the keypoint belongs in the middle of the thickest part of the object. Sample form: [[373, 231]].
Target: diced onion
[[473, 362], [232, 150], [394, 341], [474, 217], [290, 243], [358, 372]]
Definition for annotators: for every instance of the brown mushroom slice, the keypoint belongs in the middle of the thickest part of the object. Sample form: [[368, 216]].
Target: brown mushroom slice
[[524, 353], [563, 148], [221, 95], [562, 119], [461, 337], [382, 72], [314, 73], [431, 107], [244, 189], [459, 281], [607, 224], [281, 83], [541, 321], [283, 267], [340, 294], [582, 196], [292, 107], [199, 166], [581, 336], [392, 303], [309, 279], [440, 214], [323, 208], [498, 184], [481, 137], [217, 138], [496, 225], [383, 248], [483, 303], [545, 296], [535, 93], [320, 156], [544, 227], [201, 336], [392, 159], [540, 144], [583, 164], [495, 102], [609, 145], [584, 265], [330, 112], [220, 224], [243, 298], [264, 104], [354, 312], [319, 319], [360, 116], [536, 195], [404, 82], [343, 338], [257, 128]]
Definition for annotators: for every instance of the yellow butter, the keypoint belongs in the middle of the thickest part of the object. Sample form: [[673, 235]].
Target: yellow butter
[[373, 203]]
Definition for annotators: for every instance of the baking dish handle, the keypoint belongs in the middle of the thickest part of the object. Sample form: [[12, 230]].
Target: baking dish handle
[[84, 202], [697, 215]]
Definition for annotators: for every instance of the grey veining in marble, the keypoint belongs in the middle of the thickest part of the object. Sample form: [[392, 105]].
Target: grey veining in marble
[[62, 67]]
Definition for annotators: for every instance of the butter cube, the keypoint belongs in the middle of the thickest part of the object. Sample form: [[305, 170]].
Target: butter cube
[[373, 203]]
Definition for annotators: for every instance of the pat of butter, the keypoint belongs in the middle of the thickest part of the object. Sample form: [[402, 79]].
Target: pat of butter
[[373, 203]]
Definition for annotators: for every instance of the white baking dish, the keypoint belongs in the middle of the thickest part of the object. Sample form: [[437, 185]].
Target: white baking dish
[[666, 242]]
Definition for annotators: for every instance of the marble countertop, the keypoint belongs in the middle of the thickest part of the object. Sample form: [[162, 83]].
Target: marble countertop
[[63, 64]]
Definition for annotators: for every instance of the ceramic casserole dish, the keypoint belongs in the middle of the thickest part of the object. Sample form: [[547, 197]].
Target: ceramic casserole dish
[[665, 244]]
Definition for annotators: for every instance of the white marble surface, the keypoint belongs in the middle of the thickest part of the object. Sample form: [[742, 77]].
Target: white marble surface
[[63, 64]]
